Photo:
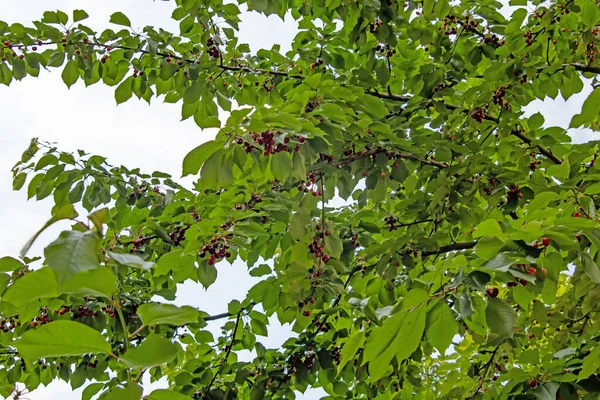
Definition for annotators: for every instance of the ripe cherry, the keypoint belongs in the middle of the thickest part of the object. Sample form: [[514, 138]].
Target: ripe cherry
[[533, 383], [577, 214], [545, 242], [531, 271], [306, 313]]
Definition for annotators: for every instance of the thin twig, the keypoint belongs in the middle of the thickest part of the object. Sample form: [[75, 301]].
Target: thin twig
[[235, 328], [485, 372]]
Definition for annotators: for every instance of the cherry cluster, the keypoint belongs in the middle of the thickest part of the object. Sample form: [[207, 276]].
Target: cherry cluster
[[499, 98], [310, 185], [83, 311], [41, 320], [440, 87], [9, 325], [217, 249], [478, 114], [109, 311], [104, 58], [137, 72], [528, 35], [373, 27], [590, 49], [523, 282], [316, 247], [493, 292], [177, 235], [321, 326], [310, 106], [387, 49], [533, 165], [63, 310], [523, 79], [267, 140], [336, 354], [513, 192], [449, 26], [254, 200], [390, 220], [213, 48], [137, 244], [317, 63]]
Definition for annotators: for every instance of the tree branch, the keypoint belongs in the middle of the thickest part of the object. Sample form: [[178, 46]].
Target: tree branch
[[450, 247], [485, 372], [397, 154], [546, 152]]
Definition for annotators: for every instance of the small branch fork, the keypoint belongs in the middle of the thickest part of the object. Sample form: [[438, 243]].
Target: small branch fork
[[486, 369]]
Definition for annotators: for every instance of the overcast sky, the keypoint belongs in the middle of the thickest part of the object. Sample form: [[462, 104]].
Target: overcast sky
[[132, 134]]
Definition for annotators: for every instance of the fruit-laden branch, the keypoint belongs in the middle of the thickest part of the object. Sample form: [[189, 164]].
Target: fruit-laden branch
[[450, 247], [396, 154], [546, 152]]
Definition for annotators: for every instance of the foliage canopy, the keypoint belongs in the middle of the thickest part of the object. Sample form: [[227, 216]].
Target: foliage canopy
[[443, 275]]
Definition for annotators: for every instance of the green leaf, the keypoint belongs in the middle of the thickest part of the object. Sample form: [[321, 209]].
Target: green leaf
[[399, 336], [70, 73], [155, 313], [60, 339], [65, 212], [590, 13], [281, 166], [131, 260], [590, 267], [501, 262], [489, 227], [442, 326], [217, 170], [535, 121], [34, 285], [124, 91], [99, 282], [591, 364], [333, 245], [350, 348], [79, 15], [120, 19], [164, 394], [207, 274], [500, 316], [195, 158], [153, 351], [547, 391], [590, 108], [91, 390], [9, 264], [73, 252], [19, 181], [129, 392]]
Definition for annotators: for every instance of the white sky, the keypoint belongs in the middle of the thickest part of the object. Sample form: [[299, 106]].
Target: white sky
[[135, 135]]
